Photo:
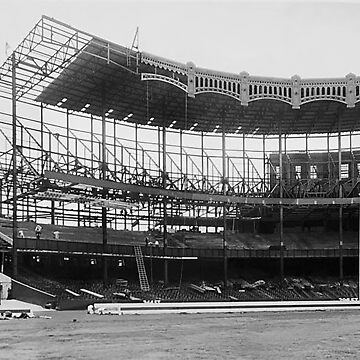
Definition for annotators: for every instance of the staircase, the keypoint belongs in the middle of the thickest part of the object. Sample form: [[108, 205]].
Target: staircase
[[5, 241], [144, 283]]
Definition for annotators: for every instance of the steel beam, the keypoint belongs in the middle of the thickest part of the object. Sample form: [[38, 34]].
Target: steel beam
[[194, 196]]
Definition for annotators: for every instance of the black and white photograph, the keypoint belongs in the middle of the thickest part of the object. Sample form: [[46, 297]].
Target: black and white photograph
[[179, 179]]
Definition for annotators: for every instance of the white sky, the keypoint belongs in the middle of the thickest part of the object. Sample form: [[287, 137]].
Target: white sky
[[308, 38]]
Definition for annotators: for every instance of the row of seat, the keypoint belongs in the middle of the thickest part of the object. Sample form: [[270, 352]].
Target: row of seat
[[270, 290], [293, 240]]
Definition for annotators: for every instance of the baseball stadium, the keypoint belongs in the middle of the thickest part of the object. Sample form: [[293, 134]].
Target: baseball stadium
[[127, 178]]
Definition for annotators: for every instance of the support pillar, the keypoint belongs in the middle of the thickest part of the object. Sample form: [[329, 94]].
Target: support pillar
[[67, 139], [115, 152], [2, 262], [92, 141], [1, 196], [225, 180], [281, 229], [42, 138], [103, 176], [14, 171], [243, 156], [328, 158], [264, 164], [166, 274], [341, 267], [182, 187], [359, 256], [52, 212]]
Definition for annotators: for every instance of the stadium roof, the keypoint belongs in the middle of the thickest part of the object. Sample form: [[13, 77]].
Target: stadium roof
[[63, 66]]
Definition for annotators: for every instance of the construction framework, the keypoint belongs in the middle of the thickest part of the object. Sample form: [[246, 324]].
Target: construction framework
[[130, 140]]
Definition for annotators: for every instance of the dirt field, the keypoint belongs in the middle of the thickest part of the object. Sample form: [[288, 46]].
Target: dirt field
[[297, 335]]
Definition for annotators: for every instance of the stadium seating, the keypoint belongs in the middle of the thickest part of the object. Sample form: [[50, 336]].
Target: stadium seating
[[238, 289], [186, 239]]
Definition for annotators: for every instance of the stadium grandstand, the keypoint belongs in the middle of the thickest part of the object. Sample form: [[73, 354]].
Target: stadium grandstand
[[152, 179]]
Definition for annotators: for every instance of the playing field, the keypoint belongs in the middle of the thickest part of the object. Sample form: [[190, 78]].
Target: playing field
[[76, 335]]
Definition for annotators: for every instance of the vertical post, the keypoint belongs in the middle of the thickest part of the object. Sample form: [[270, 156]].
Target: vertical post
[[78, 215], [2, 262], [166, 279], [92, 140], [341, 268], [115, 157], [224, 179], [281, 207], [181, 160], [359, 256], [67, 139], [52, 212], [352, 163], [328, 158], [136, 145], [103, 176], [1, 196], [42, 137], [14, 162], [307, 157], [243, 156], [264, 164], [202, 162], [159, 152]]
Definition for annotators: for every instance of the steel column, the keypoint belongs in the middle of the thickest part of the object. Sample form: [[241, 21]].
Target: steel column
[[166, 278], [328, 158], [225, 179], [103, 176], [92, 141], [67, 139], [341, 268], [181, 160], [264, 164], [114, 142], [243, 155], [307, 157], [136, 148], [2, 262], [202, 161], [359, 256], [281, 207], [14, 171], [52, 212], [42, 137]]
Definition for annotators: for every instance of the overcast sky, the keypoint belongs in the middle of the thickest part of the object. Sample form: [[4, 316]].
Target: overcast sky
[[308, 38]]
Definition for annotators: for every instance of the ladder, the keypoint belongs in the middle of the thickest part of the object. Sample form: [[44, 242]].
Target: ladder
[[144, 283]]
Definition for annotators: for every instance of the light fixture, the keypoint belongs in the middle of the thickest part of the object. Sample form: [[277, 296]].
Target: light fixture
[[86, 106], [216, 127], [172, 124], [194, 126], [126, 118], [130, 115], [64, 100], [238, 130], [110, 111], [256, 130]]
